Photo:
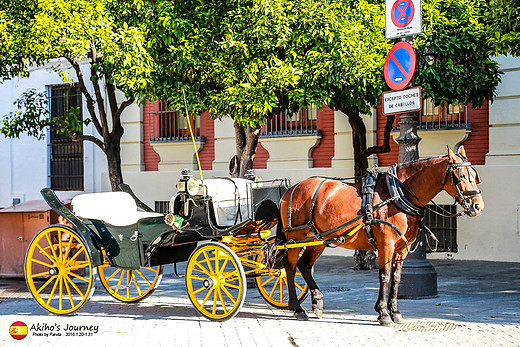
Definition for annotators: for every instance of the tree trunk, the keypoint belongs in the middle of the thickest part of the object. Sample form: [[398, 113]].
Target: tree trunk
[[115, 174], [246, 141], [365, 260]]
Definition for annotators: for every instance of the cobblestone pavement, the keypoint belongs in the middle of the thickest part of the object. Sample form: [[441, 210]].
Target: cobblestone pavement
[[478, 305]]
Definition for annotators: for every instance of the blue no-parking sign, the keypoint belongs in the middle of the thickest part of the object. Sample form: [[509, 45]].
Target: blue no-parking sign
[[402, 18], [400, 65]]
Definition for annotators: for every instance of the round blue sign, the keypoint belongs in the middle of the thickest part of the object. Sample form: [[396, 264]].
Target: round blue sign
[[402, 13], [400, 64]]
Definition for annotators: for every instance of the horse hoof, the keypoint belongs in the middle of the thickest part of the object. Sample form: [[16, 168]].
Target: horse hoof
[[318, 313], [397, 318], [301, 316], [385, 321]]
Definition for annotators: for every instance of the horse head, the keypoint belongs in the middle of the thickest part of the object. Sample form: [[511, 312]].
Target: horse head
[[460, 181]]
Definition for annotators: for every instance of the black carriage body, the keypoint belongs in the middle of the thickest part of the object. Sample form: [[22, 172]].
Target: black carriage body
[[262, 202]]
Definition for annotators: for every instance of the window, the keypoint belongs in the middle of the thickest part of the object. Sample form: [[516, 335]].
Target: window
[[452, 116], [171, 125], [286, 123], [444, 228], [66, 156]]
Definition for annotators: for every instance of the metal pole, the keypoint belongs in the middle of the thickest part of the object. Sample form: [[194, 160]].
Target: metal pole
[[418, 278]]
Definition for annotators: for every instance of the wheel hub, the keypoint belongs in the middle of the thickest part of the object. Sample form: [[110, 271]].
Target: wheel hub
[[209, 283], [54, 271]]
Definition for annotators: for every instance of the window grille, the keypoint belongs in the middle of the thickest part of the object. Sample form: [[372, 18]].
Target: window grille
[[166, 125], [303, 122], [66, 156], [431, 117], [444, 228]]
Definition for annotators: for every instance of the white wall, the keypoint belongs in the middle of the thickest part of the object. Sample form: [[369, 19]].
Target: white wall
[[24, 169]]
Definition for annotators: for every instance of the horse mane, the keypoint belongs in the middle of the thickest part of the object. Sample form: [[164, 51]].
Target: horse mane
[[413, 167]]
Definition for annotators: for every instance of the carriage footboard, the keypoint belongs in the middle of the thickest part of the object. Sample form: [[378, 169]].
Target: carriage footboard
[[171, 247]]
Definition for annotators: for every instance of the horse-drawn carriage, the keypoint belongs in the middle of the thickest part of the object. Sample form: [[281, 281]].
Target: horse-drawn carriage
[[220, 226]]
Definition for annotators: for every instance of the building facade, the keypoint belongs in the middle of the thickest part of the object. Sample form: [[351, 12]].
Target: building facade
[[156, 146]]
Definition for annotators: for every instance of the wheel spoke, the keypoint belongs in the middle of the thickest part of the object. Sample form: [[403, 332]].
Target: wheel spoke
[[151, 269], [128, 278], [229, 295], [223, 266], [51, 245], [40, 274], [60, 295], [231, 285], [46, 284], [298, 285], [274, 287], [41, 262], [207, 261], [115, 272], [69, 245], [268, 280], [199, 290], [202, 269], [206, 298], [52, 291], [214, 302], [68, 292], [222, 301], [143, 277], [81, 265], [120, 280], [81, 250], [44, 252], [75, 286], [78, 276]]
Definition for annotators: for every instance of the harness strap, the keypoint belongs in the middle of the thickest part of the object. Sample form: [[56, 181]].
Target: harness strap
[[367, 209]]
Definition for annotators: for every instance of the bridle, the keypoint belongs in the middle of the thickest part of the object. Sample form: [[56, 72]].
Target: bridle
[[455, 170]]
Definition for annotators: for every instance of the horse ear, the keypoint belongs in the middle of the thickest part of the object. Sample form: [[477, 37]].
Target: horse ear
[[451, 155], [462, 151]]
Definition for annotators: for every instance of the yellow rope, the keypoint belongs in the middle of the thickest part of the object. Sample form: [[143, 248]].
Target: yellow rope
[[193, 138]]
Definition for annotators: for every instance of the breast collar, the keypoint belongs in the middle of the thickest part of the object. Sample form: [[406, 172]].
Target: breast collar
[[394, 187]]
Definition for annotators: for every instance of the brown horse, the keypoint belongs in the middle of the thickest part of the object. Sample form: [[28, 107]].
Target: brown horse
[[336, 203]]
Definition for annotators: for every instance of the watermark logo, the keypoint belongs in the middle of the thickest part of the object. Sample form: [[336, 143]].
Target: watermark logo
[[18, 330]]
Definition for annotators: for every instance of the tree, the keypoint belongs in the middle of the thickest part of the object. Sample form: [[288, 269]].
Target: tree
[[74, 32], [501, 18]]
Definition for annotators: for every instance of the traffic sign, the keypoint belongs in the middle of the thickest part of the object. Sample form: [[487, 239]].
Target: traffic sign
[[402, 18], [400, 64], [408, 100]]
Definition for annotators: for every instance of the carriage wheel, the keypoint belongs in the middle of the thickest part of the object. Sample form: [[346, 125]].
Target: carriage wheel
[[215, 281], [59, 271], [129, 285], [272, 286]]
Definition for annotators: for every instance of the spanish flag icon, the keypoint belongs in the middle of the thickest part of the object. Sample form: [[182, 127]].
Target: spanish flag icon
[[18, 330]]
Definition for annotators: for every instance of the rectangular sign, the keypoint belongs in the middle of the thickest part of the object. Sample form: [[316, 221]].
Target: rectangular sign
[[402, 101], [402, 18]]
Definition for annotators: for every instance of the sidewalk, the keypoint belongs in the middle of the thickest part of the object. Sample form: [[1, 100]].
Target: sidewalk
[[478, 305]]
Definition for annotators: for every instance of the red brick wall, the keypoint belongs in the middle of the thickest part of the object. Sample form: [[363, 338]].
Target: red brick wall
[[324, 152], [261, 156], [207, 153], [151, 158], [477, 143], [385, 159]]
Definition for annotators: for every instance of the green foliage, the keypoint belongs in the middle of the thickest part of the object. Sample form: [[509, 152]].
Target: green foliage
[[31, 116], [455, 51], [502, 19]]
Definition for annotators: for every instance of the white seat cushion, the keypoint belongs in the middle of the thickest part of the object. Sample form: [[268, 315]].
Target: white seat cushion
[[115, 208]]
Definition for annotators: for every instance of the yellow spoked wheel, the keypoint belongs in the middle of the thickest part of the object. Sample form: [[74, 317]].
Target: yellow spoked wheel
[[272, 286], [59, 271], [130, 285], [215, 281]]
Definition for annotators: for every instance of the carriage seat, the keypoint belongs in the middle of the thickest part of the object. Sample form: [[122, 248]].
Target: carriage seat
[[115, 208]]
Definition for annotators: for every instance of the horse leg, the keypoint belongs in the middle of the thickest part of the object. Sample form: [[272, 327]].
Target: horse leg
[[305, 264], [397, 265], [385, 265], [290, 270]]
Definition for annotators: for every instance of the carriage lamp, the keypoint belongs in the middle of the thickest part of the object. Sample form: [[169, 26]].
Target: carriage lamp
[[188, 184]]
